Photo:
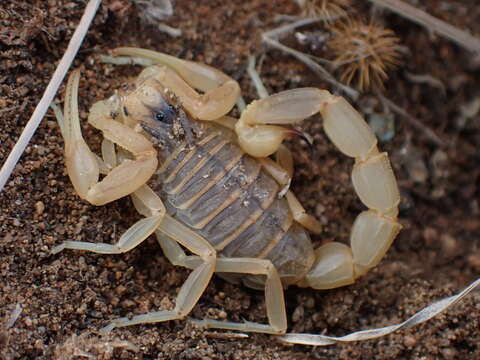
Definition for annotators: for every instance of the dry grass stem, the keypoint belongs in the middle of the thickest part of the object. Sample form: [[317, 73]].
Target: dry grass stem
[[252, 72], [426, 79], [433, 24], [88, 346], [51, 90], [364, 52], [421, 316], [271, 38]]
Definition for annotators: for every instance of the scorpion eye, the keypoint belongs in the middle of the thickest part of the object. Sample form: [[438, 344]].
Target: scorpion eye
[[159, 116], [165, 116]]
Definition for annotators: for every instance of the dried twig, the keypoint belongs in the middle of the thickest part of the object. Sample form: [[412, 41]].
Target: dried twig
[[50, 91], [426, 79], [14, 316], [271, 38], [433, 24], [261, 91]]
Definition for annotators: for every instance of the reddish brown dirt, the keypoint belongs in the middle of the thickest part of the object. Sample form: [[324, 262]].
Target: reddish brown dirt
[[66, 297]]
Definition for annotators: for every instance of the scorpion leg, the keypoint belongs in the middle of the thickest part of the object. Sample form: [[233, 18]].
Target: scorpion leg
[[284, 158], [82, 165], [227, 122], [273, 290], [281, 176], [301, 216], [298, 212], [375, 229], [183, 77], [135, 235], [274, 299], [193, 287]]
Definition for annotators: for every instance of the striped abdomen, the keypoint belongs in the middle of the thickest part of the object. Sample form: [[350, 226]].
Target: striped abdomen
[[225, 196]]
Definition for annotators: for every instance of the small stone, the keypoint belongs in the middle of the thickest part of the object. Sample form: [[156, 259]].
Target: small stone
[[222, 314], [28, 322], [52, 124], [383, 126], [298, 314], [450, 353], [409, 341], [414, 163], [430, 235], [320, 210], [81, 309], [474, 261], [449, 244], [120, 290], [114, 301], [128, 303], [39, 345], [310, 303], [39, 207]]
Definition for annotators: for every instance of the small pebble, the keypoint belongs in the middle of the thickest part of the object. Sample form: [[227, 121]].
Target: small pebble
[[409, 341], [449, 244], [383, 126], [450, 353], [39, 345], [430, 235], [474, 261], [298, 314], [128, 303], [28, 322], [39, 207]]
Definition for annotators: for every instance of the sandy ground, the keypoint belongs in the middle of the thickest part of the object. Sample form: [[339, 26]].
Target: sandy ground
[[66, 297]]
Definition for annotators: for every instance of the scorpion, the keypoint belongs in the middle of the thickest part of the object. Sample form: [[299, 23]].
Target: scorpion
[[213, 188]]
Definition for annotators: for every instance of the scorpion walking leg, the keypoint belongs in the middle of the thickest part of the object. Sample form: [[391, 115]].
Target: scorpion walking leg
[[298, 212], [183, 77], [135, 235], [284, 158], [273, 288], [83, 166], [301, 216], [274, 299], [195, 284]]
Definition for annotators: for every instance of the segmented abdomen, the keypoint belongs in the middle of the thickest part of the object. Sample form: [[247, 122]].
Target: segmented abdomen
[[225, 196]]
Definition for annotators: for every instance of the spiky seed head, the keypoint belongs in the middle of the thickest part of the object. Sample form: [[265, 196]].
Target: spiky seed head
[[329, 10], [364, 52]]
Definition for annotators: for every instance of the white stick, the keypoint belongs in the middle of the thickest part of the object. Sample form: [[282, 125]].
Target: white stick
[[433, 24], [50, 91]]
